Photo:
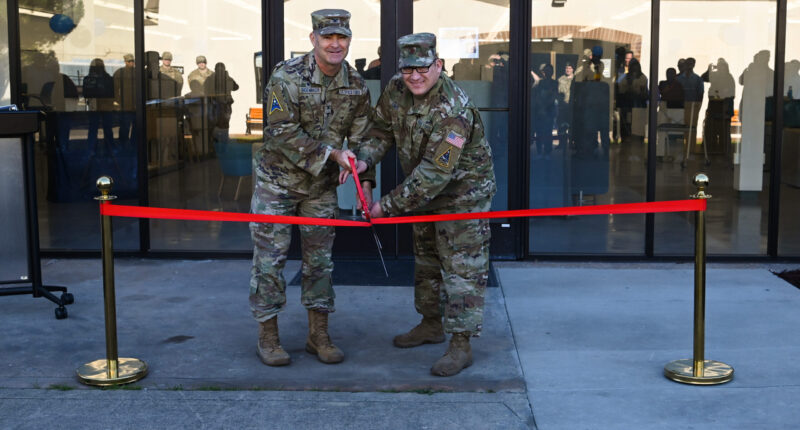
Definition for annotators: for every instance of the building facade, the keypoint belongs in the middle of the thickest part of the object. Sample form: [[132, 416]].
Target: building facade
[[584, 103]]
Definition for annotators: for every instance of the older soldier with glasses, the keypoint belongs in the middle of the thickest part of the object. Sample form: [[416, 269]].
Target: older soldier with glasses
[[448, 167], [313, 103]]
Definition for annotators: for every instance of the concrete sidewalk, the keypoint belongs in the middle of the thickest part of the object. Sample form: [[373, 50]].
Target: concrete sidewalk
[[565, 346]]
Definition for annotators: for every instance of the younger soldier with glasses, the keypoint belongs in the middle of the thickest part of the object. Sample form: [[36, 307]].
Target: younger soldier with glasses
[[448, 167]]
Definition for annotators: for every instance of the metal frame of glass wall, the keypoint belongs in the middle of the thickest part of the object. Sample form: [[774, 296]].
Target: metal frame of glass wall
[[396, 20]]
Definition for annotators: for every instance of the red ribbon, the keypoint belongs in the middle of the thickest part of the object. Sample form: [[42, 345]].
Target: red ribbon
[[109, 209]]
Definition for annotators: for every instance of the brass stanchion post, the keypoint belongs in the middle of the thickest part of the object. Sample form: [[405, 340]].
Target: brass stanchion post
[[698, 370], [112, 370]]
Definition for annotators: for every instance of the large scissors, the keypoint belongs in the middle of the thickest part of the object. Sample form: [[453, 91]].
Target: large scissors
[[365, 210]]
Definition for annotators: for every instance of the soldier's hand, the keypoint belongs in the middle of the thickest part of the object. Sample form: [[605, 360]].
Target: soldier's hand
[[361, 167], [376, 211], [366, 186], [341, 157]]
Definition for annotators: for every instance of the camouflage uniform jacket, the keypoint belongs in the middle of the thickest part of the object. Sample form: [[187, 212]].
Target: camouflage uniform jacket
[[175, 75], [305, 121], [440, 145]]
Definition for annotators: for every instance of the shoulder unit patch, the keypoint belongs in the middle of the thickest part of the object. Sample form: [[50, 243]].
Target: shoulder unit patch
[[443, 159], [275, 105]]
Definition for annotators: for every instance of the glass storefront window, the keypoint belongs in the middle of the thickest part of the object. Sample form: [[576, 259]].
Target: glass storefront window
[[202, 117], [72, 52], [588, 107], [714, 116], [472, 38], [789, 231], [5, 96]]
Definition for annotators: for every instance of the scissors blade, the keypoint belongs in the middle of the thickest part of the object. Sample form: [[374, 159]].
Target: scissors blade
[[380, 247]]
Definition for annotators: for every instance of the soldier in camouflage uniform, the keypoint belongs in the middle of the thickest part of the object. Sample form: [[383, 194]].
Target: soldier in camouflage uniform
[[173, 73], [448, 167], [312, 103]]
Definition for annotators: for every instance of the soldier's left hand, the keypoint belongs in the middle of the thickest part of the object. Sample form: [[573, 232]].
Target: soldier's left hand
[[376, 211]]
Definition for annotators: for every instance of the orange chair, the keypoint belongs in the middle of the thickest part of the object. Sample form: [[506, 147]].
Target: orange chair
[[254, 118]]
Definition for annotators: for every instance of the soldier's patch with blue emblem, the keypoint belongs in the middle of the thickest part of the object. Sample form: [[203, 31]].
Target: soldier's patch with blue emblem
[[443, 159], [275, 105]]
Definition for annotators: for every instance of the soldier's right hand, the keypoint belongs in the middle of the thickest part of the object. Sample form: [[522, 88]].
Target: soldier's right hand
[[341, 157], [361, 167]]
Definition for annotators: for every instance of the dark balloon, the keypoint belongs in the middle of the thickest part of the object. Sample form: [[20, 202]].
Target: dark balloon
[[61, 24]]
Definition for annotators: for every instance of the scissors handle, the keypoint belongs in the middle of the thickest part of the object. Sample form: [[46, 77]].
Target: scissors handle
[[363, 200]]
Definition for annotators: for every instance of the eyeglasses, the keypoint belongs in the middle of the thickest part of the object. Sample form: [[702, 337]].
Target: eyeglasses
[[410, 70]]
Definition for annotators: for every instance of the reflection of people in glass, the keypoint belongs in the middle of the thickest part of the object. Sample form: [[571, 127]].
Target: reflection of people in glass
[[374, 68], [757, 80], [543, 110], [124, 98], [58, 94], [671, 91], [693, 90], [717, 130], [564, 110], [218, 87], [633, 94], [162, 91], [173, 73], [791, 82], [98, 89], [590, 136], [196, 103], [590, 67]]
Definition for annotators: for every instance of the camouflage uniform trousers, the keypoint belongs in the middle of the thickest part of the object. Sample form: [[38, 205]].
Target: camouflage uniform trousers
[[451, 270], [271, 246]]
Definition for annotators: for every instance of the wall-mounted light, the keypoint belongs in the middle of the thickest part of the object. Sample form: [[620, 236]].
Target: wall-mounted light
[[558, 3]]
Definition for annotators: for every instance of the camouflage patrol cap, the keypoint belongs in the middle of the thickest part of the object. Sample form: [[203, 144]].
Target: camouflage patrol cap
[[166, 55], [128, 57], [416, 50], [331, 21], [200, 59]]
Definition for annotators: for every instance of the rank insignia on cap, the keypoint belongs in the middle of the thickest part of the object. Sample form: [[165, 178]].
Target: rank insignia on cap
[[275, 106], [454, 139], [444, 158]]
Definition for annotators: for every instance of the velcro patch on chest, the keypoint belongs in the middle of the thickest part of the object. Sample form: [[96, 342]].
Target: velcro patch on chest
[[349, 92], [311, 90]]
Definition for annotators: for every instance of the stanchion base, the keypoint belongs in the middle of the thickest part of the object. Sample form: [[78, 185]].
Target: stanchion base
[[96, 373], [714, 372]]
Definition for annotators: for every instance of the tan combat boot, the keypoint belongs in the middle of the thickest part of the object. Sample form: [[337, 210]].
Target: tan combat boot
[[429, 330], [269, 345], [319, 342], [457, 357]]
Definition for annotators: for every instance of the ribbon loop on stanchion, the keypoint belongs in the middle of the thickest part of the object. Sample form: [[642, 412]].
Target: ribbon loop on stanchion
[[698, 370], [112, 370]]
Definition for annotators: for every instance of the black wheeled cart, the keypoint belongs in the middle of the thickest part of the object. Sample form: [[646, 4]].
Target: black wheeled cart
[[20, 264]]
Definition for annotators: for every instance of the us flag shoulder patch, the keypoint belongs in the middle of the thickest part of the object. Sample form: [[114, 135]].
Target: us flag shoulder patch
[[455, 139]]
